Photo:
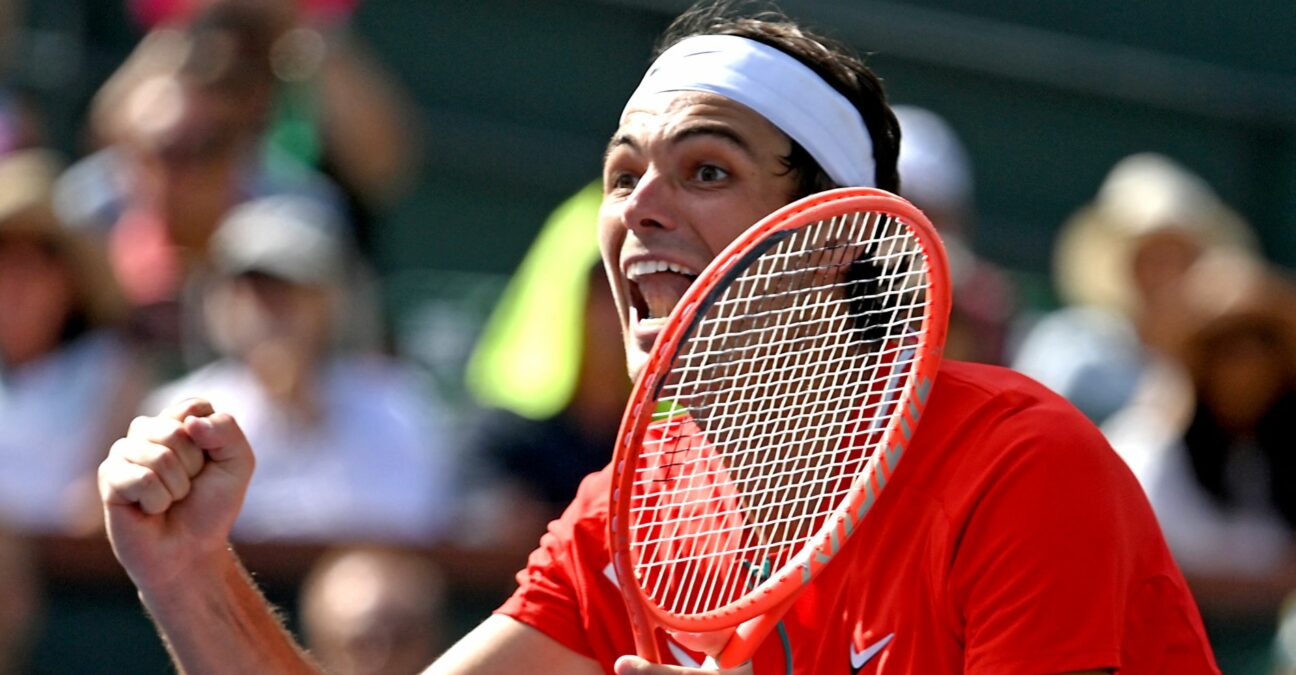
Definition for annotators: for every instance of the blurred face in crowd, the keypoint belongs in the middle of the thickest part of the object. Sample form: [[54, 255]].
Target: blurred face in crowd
[[371, 612], [279, 328], [186, 144], [36, 294], [1161, 260], [1245, 370], [685, 174]]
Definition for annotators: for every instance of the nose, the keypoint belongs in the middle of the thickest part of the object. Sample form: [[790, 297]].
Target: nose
[[650, 205]]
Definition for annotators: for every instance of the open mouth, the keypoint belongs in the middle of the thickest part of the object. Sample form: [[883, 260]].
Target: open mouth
[[656, 286]]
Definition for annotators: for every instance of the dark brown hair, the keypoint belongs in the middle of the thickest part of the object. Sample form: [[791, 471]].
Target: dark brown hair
[[833, 61]]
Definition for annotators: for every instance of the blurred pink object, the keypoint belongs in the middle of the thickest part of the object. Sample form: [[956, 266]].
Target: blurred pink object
[[151, 13]]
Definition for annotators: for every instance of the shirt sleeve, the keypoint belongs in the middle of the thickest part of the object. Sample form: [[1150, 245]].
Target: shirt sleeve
[[549, 596], [1047, 555]]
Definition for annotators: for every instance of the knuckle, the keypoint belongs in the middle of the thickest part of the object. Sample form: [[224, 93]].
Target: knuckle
[[191, 406], [220, 420], [146, 481], [155, 502], [113, 463], [164, 460], [107, 468], [141, 483], [193, 461], [119, 448], [138, 425], [170, 433]]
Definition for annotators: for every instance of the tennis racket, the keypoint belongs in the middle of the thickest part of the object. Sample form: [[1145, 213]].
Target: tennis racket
[[773, 409]]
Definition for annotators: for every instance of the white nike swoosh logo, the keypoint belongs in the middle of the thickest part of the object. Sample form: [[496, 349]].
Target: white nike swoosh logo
[[861, 658]]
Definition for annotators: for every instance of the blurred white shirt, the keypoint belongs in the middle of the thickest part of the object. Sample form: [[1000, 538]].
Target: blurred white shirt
[[53, 420], [377, 467], [1205, 537]]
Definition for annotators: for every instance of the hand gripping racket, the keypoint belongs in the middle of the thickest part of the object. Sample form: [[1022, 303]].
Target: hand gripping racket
[[771, 413]]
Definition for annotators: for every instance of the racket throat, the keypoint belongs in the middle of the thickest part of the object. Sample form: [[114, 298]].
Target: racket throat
[[748, 636], [709, 643]]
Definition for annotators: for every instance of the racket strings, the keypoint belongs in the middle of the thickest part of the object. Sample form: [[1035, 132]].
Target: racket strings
[[789, 379], [788, 506], [735, 526], [701, 468], [773, 475], [773, 396]]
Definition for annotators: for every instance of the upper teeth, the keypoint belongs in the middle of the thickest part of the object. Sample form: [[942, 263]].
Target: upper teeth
[[645, 267]]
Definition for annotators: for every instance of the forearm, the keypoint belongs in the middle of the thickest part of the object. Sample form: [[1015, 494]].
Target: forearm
[[220, 623]]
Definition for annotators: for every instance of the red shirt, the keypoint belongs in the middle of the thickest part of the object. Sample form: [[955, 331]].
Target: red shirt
[[1011, 539]]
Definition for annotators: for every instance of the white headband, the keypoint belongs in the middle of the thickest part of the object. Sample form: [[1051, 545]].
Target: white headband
[[778, 87]]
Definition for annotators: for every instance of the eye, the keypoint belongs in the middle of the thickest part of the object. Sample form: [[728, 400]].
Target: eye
[[709, 173], [624, 181]]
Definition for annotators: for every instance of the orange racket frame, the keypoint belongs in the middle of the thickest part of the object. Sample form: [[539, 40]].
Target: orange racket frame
[[747, 622]]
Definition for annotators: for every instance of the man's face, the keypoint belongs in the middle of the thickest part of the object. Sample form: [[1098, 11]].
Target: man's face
[[685, 174], [252, 312], [37, 294]]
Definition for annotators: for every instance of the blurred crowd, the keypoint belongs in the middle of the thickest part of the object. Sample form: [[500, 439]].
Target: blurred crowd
[[215, 239]]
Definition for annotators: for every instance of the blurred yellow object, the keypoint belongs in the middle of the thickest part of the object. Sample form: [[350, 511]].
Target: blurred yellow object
[[530, 351]]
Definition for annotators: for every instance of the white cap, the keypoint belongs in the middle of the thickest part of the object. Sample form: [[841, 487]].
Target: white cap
[[935, 172], [288, 237]]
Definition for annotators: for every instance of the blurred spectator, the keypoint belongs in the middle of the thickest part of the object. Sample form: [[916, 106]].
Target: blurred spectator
[[551, 368], [936, 175], [1210, 435], [1119, 265], [68, 384], [336, 107], [21, 612], [374, 611], [183, 118], [347, 444], [1182, 345]]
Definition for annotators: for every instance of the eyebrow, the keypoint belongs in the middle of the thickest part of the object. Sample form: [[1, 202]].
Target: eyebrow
[[619, 140], [709, 129], [722, 131]]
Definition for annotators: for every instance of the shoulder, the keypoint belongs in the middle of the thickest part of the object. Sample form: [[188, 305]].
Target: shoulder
[[577, 540], [988, 427], [573, 552], [588, 511], [974, 394]]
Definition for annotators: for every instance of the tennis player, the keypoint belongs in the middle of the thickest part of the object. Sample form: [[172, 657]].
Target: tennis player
[[1013, 540]]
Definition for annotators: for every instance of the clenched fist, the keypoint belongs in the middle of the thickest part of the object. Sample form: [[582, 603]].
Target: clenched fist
[[172, 489]]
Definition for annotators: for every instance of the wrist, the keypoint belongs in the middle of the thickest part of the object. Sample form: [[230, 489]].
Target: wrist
[[213, 619], [191, 585]]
